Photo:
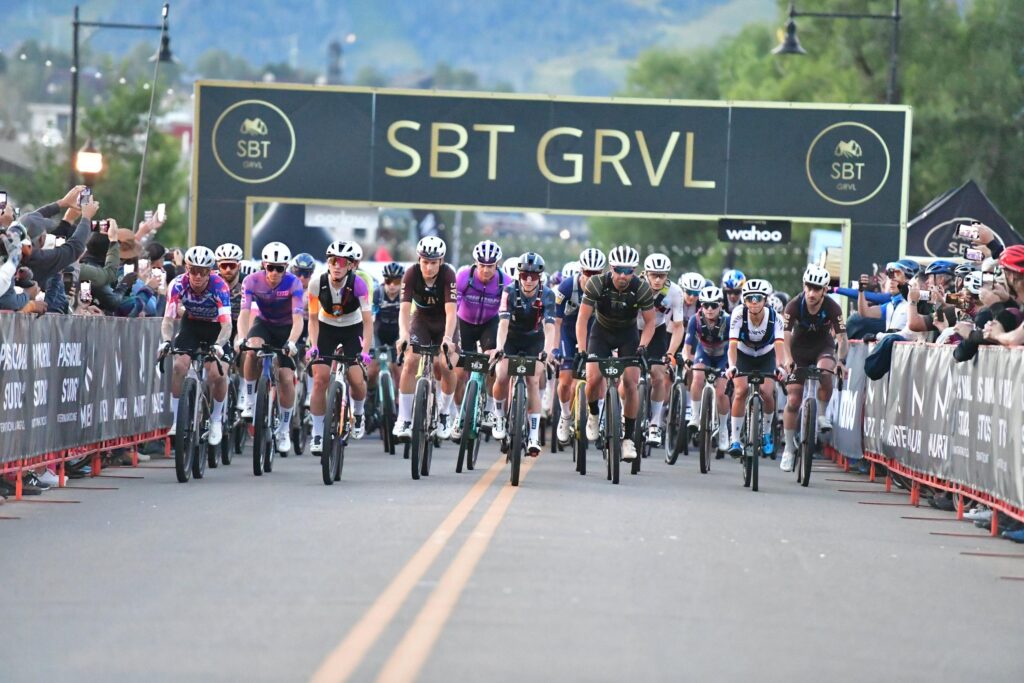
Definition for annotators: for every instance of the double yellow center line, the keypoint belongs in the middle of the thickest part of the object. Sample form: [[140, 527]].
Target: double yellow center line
[[412, 652]]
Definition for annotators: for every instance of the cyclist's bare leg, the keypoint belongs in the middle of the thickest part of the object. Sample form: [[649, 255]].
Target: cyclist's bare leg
[[825, 386], [356, 383], [595, 383], [218, 382], [180, 369], [318, 401], [627, 389], [565, 386], [410, 366], [286, 388]]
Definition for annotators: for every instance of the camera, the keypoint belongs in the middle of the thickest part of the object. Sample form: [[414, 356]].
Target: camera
[[967, 232]]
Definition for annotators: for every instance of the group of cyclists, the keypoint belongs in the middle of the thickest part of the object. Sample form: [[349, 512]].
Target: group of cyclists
[[595, 307]]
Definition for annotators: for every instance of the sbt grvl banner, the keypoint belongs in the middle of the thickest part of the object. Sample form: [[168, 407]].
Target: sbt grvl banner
[[71, 380]]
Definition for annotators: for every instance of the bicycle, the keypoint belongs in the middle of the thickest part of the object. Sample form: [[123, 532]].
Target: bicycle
[[612, 369], [236, 430], [265, 416], [338, 418], [228, 422], [515, 442], [386, 397], [193, 421], [753, 426], [424, 411], [706, 432], [301, 426], [807, 441], [677, 432], [474, 403]]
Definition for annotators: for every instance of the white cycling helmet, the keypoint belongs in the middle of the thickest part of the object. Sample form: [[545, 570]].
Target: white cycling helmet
[[776, 303], [762, 287], [228, 252], [277, 253], [817, 276], [343, 249], [710, 295], [247, 268], [692, 282], [657, 263], [431, 247], [592, 259], [571, 269], [511, 267], [201, 257], [544, 277], [487, 253], [624, 256], [973, 282], [354, 252]]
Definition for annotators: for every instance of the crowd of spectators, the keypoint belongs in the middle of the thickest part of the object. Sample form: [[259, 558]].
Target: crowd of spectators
[[67, 258], [962, 304]]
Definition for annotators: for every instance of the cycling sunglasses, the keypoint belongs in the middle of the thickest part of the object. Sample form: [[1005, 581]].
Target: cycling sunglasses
[[275, 268], [754, 298], [529, 276], [338, 261], [228, 265], [197, 271], [592, 273], [732, 292], [693, 292], [392, 280], [710, 305], [304, 272], [624, 270]]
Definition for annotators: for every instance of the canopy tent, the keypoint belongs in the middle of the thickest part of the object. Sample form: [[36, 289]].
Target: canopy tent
[[932, 232]]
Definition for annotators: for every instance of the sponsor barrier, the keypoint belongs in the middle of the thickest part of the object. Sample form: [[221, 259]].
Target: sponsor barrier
[[957, 427], [72, 380]]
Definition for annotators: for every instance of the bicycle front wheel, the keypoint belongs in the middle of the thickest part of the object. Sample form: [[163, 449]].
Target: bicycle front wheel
[[420, 428], [707, 442], [468, 421], [518, 430], [228, 437], [580, 439], [328, 456], [808, 430], [262, 439], [756, 442], [203, 451], [387, 411], [613, 435], [640, 425], [185, 431]]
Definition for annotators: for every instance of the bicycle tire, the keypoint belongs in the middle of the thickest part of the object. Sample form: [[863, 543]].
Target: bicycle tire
[[344, 428], [473, 454], [517, 425], [639, 434], [259, 425], [271, 449], [227, 430], [203, 452], [613, 439], [240, 429], [806, 451], [185, 431], [756, 443], [420, 427], [556, 416], [682, 428], [580, 437], [707, 444], [331, 423], [295, 425], [387, 410], [467, 419], [427, 457]]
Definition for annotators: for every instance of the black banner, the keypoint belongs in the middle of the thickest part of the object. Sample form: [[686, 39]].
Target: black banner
[[74, 380], [962, 422], [755, 232], [846, 431]]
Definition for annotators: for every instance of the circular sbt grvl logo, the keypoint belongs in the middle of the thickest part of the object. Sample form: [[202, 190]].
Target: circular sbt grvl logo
[[848, 163], [253, 141]]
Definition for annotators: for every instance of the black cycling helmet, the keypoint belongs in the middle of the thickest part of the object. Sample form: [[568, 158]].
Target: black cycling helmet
[[393, 270], [303, 262], [531, 262]]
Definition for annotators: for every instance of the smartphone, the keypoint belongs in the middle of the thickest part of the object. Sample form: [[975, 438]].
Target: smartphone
[[95, 226], [84, 196], [143, 265], [3, 199], [975, 255], [161, 212], [129, 269], [967, 232], [148, 215], [926, 295], [85, 291]]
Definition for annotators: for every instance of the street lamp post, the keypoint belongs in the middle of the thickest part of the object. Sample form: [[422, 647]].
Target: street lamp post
[[790, 44], [89, 162], [163, 55]]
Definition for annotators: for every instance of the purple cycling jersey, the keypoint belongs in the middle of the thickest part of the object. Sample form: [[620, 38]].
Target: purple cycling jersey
[[478, 303], [274, 305], [213, 304]]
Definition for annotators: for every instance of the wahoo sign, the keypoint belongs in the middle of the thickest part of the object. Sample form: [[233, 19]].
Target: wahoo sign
[[763, 232]]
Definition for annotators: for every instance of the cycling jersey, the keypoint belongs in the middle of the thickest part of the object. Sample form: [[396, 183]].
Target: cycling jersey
[[668, 306], [236, 297], [709, 338], [809, 328], [755, 340], [430, 300], [341, 306], [213, 304], [275, 305], [527, 314], [385, 310], [615, 309], [478, 302], [568, 297]]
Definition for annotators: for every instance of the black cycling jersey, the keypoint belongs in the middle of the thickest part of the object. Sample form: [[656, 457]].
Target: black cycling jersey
[[617, 309]]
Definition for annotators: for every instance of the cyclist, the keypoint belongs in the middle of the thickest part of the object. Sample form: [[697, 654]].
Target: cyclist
[[691, 284], [339, 308], [526, 328], [302, 267], [755, 332], [510, 266], [568, 298], [202, 301], [229, 257], [669, 315], [814, 327], [707, 335], [732, 285], [386, 302], [479, 290], [430, 284], [616, 298], [278, 301]]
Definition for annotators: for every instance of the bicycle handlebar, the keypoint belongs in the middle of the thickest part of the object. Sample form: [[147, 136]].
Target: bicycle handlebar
[[202, 352], [430, 350]]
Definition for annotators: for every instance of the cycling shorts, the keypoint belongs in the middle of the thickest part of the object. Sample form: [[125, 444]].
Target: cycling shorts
[[719, 362], [603, 341], [764, 364], [485, 333], [523, 344], [275, 335], [804, 354], [350, 338], [428, 330], [658, 346], [192, 333]]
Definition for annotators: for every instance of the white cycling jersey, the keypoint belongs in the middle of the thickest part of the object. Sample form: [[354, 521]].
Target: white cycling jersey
[[668, 306], [755, 339]]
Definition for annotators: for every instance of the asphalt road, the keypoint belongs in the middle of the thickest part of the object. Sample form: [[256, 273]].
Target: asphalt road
[[670, 576]]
